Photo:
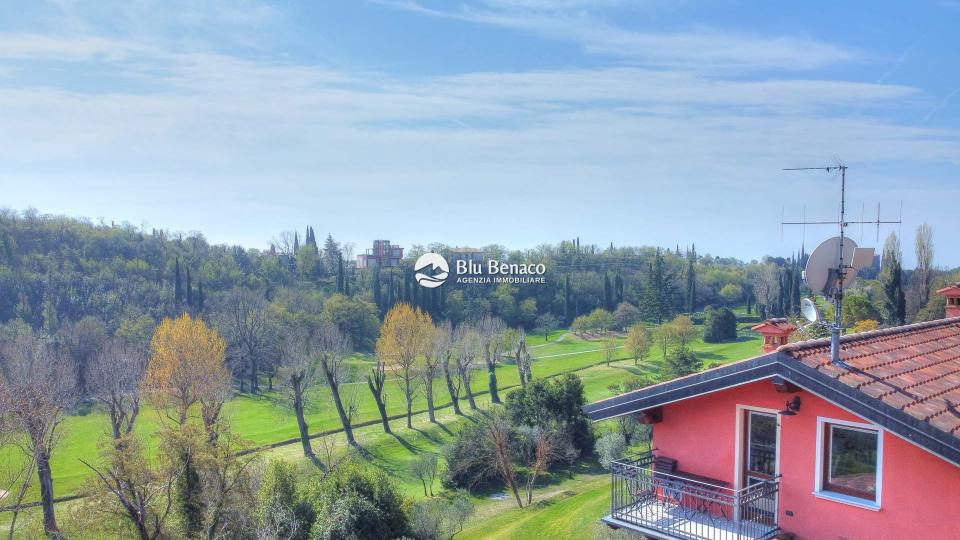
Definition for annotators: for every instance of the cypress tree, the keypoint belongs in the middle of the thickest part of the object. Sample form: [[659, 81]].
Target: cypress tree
[[340, 272], [189, 290], [199, 295], [391, 300], [377, 293], [607, 292], [566, 298], [691, 279], [177, 288], [618, 288], [895, 301], [296, 242]]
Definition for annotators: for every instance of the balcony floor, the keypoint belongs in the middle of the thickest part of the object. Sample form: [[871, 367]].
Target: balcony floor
[[672, 522]]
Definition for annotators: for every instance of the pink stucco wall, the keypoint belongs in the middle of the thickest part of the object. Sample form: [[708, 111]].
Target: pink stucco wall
[[920, 493]]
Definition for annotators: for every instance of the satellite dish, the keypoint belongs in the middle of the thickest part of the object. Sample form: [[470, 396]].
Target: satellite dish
[[823, 267], [809, 310]]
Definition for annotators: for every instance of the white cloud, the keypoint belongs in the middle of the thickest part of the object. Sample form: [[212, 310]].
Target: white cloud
[[27, 46], [687, 48]]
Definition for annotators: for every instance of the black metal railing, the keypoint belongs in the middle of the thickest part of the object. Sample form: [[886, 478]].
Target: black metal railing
[[681, 506]]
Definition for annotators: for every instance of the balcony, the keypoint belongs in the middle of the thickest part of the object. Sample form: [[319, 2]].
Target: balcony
[[684, 506]]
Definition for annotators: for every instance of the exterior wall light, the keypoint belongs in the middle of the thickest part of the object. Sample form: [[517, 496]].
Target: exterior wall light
[[793, 407]]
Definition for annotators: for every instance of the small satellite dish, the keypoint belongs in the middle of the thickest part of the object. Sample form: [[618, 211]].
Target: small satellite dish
[[809, 310], [823, 267]]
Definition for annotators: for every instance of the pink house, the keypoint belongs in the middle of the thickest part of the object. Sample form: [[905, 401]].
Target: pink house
[[791, 445]]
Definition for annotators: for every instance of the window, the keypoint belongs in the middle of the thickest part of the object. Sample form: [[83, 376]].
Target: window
[[850, 461]]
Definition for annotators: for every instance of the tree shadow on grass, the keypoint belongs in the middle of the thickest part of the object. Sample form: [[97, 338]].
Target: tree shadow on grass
[[406, 444], [427, 435]]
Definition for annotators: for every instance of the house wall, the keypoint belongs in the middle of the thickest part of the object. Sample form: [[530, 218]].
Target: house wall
[[920, 492]]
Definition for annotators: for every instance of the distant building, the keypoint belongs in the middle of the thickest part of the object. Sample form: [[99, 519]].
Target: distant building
[[383, 254], [464, 254]]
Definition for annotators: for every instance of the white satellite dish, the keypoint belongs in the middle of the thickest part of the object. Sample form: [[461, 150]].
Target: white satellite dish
[[809, 310], [823, 267]]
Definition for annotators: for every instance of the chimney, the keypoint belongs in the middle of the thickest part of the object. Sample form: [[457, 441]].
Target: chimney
[[953, 299], [775, 332]]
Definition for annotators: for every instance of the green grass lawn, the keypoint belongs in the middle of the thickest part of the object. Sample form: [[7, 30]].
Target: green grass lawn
[[264, 419]]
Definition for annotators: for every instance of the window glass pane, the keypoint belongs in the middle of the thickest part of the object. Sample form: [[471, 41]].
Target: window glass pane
[[762, 455], [853, 459]]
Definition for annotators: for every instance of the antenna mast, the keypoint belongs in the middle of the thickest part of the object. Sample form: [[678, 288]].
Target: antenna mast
[[837, 294]]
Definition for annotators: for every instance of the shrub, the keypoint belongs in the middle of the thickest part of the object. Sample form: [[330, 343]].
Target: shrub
[[609, 447], [357, 503], [681, 361], [465, 460], [441, 518], [719, 325], [280, 511]]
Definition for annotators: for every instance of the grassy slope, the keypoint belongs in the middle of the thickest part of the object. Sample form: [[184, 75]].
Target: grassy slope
[[570, 510]]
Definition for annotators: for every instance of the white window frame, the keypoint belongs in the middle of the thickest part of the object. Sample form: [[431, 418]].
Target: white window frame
[[818, 489], [739, 450]]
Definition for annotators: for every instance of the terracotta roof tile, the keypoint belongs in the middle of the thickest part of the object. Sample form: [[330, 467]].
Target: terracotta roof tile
[[915, 368]]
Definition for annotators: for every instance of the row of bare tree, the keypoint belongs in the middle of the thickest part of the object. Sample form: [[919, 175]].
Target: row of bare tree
[[418, 353]]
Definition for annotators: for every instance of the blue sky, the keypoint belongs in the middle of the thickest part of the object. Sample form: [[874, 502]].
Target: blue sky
[[485, 121]]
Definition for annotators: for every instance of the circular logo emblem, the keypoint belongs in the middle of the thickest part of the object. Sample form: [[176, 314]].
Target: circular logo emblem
[[431, 270]]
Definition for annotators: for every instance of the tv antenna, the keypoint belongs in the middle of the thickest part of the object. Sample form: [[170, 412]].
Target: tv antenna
[[835, 261]]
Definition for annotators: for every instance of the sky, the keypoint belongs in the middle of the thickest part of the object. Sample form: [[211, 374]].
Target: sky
[[471, 122]]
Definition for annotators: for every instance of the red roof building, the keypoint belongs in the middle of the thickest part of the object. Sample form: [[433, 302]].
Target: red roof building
[[775, 332], [791, 445], [953, 299]]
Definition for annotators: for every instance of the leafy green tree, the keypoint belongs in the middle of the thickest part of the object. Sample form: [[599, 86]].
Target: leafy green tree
[[856, 308], [357, 503], [600, 320], [355, 317], [555, 403], [731, 293], [720, 324], [657, 301], [681, 361]]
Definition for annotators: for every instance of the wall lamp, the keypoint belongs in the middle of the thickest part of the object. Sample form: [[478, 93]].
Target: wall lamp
[[793, 407]]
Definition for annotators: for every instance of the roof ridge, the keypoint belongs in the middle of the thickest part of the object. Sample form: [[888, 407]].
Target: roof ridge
[[790, 348]]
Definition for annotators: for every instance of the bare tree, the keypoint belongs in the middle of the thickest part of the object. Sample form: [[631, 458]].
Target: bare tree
[[490, 329], [14, 477], [113, 378], [297, 374], [425, 468], [144, 495], [500, 450], [444, 342], [37, 387], [227, 493], [81, 341], [377, 381], [438, 350], [924, 271], [245, 324], [539, 448], [766, 287], [468, 348], [331, 346]]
